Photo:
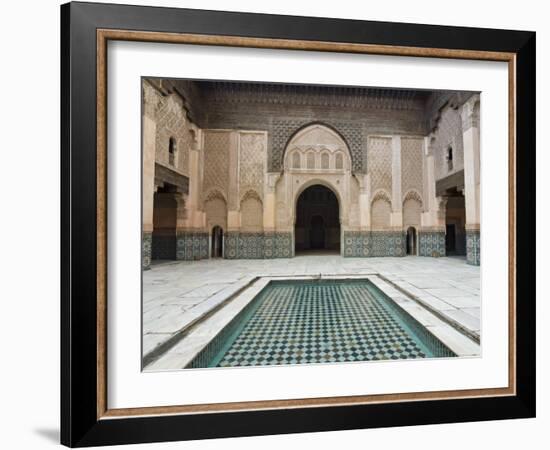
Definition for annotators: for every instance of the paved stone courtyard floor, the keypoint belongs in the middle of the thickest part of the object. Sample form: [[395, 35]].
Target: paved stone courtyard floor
[[179, 293]]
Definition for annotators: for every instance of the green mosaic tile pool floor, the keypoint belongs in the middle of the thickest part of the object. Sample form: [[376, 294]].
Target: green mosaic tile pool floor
[[320, 322]]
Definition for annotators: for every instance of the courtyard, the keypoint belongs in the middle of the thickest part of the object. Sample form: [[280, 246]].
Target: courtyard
[[180, 296], [293, 224]]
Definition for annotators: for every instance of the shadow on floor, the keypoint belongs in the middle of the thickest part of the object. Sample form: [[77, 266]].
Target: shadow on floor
[[49, 434], [319, 252]]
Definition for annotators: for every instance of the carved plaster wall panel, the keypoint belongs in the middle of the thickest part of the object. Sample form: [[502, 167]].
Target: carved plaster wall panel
[[172, 123], [379, 156], [412, 165], [448, 134], [216, 157], [283, 130], [252, 163]]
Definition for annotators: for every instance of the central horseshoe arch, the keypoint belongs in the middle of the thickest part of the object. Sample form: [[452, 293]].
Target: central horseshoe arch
[[317, 220], [317, 157]]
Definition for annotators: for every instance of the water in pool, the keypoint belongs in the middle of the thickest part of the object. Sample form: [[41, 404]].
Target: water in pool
[[320, 321]]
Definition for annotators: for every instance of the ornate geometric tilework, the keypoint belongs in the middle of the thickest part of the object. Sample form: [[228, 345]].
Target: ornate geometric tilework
[[269, 245], [191, 246], [472, 247], [357, 244], [319, 322], [283, 245], [251, 245], [388, 243], [216, 157], [251, 163], [411, 164], [374, 243], [282, 130], [146, 240], [230, 245], [379, 155], [258, 245], [431, 243]]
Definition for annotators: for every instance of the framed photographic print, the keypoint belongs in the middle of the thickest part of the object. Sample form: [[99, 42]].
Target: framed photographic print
[[277, 224]]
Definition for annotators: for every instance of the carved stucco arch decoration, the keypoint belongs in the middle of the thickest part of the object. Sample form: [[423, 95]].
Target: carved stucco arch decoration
[[285, 131], [330, 133], [214, 193], [413, 194], [381, 194], [251, 194], [215, 219]]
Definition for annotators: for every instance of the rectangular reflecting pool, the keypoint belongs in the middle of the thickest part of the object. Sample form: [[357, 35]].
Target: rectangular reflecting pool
[[319, 321]]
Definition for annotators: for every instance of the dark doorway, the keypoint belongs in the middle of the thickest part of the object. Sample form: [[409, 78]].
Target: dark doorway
[[317, 226], [317, 233], [450, 239], [165, 207], [455, 220], [411, 241], [217, 242]]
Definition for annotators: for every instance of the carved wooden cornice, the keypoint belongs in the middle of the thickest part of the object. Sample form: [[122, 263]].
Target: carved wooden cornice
[[313, 95]]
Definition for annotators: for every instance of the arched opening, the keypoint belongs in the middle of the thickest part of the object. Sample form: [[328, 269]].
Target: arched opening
[[216, 243], [317, 226], [411, 241], [165, 206]]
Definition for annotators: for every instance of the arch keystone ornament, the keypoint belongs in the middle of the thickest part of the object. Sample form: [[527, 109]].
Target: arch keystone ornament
[[111, 400]]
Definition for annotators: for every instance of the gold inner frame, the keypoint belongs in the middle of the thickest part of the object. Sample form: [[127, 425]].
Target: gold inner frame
[[103, 36]]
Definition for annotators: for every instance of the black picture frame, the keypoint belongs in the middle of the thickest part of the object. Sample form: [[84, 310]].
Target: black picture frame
[[80, 424]]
